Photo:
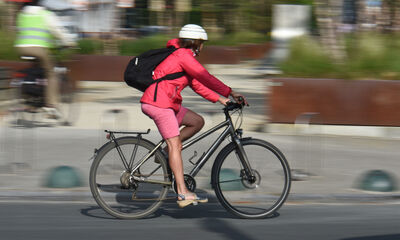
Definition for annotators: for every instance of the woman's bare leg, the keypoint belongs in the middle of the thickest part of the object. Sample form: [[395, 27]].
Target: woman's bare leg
[[175, 162], [193, 123]]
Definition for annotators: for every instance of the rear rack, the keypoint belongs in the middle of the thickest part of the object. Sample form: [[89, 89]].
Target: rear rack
[[111, 134], [127, 132]]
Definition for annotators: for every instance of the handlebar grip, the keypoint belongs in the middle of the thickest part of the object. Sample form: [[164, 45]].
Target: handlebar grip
[[232, 106]]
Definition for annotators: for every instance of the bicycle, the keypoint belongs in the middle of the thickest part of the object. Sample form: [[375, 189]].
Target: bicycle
[[30, 95], [130, 177]]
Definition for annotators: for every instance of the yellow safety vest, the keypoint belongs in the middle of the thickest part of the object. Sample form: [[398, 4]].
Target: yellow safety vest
[[33, 30]]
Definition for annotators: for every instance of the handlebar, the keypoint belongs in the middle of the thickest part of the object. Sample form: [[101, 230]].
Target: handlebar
[[230, 106]]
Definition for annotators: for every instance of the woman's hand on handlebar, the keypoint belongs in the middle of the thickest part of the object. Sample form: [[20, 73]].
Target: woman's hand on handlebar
[[239, 98], [223, 100]]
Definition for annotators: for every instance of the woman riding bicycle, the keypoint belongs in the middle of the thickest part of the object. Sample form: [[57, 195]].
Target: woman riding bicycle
[[166, 108]]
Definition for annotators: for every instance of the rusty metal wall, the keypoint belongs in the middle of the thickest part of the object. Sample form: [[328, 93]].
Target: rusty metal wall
[[343, 102]]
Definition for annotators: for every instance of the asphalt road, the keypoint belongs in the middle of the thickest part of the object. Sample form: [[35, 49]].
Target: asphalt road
[[69, 220]]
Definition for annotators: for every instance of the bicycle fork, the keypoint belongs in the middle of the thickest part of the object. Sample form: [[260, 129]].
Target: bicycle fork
[[242, 156]]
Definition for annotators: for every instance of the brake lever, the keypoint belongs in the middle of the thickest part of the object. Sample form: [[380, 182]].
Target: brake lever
[[242, 102]]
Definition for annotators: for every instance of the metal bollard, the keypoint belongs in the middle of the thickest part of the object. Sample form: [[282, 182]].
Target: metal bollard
[[308, 149], [63, 177], [377, 181]]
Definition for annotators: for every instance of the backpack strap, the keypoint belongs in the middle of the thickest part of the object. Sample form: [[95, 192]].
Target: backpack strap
[[170, 76]]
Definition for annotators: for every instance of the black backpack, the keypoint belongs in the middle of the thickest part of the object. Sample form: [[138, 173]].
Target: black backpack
[[138, 73]]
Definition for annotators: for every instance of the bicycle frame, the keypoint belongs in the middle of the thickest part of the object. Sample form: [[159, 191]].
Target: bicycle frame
[[229, 130]]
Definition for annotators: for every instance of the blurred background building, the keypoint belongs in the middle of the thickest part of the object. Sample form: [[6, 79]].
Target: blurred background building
[[228, 22], [147, 16]]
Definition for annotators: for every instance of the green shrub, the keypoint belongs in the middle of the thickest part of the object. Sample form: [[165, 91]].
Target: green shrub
[[137, 46], [234, 39], [374, 56], [368, 56], [307, 59], [3, 16], [90, 46], [7, 49]]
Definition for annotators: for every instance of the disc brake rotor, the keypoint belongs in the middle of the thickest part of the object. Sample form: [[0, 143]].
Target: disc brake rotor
[[250, 183]]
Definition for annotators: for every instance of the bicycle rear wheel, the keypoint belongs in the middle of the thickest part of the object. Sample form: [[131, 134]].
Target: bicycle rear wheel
[[257, 198], [114, 188]]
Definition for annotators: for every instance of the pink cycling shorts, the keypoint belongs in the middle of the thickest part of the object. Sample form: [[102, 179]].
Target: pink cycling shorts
[[167, 121]]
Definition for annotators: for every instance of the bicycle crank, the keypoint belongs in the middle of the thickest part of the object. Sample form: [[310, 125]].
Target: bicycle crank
[[189, 182]]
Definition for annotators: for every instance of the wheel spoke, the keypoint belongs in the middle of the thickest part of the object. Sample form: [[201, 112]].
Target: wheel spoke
[[132, 156], [233, 180]]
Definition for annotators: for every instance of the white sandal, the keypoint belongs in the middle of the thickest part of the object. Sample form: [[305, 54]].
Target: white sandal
[[185, 202]]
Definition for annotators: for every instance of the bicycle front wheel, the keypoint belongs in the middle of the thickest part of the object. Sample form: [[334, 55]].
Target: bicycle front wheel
[[261, 196], [121, 192]]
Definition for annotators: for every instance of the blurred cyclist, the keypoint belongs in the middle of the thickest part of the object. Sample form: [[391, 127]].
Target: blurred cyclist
[[37, 30]]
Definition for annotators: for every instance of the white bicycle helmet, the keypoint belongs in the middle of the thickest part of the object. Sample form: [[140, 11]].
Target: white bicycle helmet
[[193, 31]]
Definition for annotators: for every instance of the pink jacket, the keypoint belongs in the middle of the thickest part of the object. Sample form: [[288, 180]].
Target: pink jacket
[[197, 77]]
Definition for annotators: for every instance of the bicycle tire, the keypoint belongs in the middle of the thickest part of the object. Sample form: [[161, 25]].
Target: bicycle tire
[[108, 178], [252, 200]]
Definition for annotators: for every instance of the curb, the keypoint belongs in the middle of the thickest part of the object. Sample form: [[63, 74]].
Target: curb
[[390, 133], [344, 198]]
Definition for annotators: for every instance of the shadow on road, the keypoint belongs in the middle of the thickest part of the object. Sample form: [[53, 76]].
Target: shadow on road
[[378, 237], [97, 212], [207, 211], [225, 230]]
